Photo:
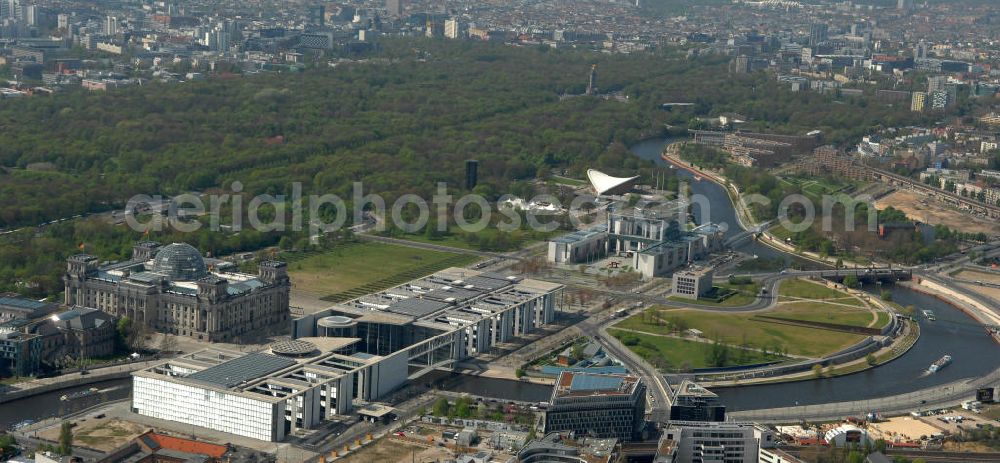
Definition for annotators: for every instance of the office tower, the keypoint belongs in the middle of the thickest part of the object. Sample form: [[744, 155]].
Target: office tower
[[729, 442], [471, 173], [920, 50], [394, 8], [592, 83], [62, 22], [30, 14], [6, 9], [111, 25], [451, 28], [918, 101], [317, 15], [597, 405], [904, 5], [740, 65], [818, 33], [936, 83]]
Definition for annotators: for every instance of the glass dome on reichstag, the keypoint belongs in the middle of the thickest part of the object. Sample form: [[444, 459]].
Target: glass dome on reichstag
[[180, 261]]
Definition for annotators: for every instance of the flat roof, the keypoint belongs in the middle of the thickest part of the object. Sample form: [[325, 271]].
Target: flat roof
[[581, 384], [242, 369], [416, 307], [19, 302]]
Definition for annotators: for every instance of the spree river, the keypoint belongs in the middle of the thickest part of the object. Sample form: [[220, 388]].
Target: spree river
[[954, 333]]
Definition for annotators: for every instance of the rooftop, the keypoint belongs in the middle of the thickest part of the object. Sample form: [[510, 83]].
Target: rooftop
[[237, 371], [577, 383]]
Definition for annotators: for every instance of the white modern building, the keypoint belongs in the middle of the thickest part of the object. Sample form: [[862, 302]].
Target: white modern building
[[605, 184], [650, 233], [722, 442], [692, 283], [346, 357]]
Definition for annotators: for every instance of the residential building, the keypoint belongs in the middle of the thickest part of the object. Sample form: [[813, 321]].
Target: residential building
[[597, 405], [693, 283], [692, 402], [171, 289], [818, 33], [111, 26], [918, 101], [992, 119], [451, 28]]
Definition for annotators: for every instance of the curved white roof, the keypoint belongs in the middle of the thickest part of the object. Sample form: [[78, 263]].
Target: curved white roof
[[832, 434], [604, 183]]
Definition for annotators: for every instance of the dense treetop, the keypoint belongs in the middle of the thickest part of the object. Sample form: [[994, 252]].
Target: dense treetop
[[400, 121]]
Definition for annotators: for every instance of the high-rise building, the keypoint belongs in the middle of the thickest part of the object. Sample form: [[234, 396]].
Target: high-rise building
[[317, 15], [939, 99], [451, 29], [936, 83], [920, 50], [471, 173], [740, 65], [111, 25], [904, 5], [394, 8], [597, 405], [918, 101], [31, 14], [818, 33], [62, 22]]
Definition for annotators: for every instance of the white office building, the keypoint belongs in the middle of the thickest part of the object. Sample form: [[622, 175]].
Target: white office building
[[451, 28], [343, 359], [719, 442]]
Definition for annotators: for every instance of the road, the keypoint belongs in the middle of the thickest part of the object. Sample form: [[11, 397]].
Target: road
[[656, 385]]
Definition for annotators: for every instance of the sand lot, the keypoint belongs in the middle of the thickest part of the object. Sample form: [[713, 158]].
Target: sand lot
[[978, 276], [392, 451], [902, 428], [936, 213], [103, 434]]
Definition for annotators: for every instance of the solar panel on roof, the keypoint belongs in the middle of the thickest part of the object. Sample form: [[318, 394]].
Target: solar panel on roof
[[595, 383], [241, 369]]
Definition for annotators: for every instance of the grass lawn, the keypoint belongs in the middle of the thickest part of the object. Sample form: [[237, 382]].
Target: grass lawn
[[680, 354], [745, 294], [567, 181], [883, 319], [805, 289], [733, 328], [824, 313], [356, 265], [489, 239]]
